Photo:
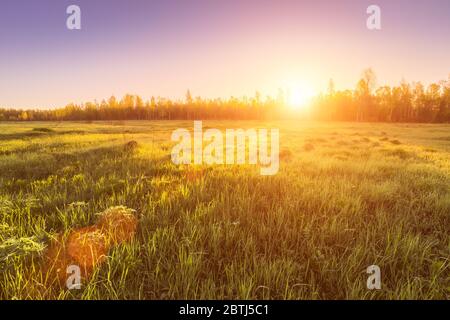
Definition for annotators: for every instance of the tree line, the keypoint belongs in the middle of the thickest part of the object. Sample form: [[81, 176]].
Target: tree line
[[407, 102]]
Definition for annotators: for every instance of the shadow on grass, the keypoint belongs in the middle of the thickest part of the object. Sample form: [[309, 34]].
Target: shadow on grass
[[96, 163], [37, 132]]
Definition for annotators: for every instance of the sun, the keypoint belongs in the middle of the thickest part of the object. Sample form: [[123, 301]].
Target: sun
[[299, 96]]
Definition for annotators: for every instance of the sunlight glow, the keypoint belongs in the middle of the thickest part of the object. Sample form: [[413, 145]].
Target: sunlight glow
[[299, 95]]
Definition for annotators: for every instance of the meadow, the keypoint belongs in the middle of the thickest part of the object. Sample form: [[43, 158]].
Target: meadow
[[347, 196]]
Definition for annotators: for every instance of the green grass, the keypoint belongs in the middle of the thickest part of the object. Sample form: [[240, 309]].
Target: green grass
[[347, 196]]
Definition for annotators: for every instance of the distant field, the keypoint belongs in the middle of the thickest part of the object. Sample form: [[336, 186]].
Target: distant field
[[347, 196]]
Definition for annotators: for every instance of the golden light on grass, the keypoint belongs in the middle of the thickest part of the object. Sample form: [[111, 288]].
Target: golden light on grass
[[57, 260], [193, 174], [340, 185], [89, 246]]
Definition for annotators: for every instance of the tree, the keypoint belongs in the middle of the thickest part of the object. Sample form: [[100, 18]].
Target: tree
[[112, 102], [23, 116], [364, 94], [331, 87], [370, 79], [189, 99]]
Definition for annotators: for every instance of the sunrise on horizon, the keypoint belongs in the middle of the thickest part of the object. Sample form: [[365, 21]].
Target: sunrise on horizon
[[225, 159]]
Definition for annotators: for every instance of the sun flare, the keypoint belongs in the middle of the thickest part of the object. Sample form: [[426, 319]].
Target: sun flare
[[299, 96]]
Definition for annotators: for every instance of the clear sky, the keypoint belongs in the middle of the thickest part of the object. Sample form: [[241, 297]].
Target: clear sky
[[214, 48]]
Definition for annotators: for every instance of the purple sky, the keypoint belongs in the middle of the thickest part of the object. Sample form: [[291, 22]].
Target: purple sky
[[214, 48]]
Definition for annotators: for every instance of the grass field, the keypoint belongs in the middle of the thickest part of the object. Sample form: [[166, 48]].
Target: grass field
[[347, 196]]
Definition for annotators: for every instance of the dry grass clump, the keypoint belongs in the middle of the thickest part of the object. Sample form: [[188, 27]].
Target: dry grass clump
[[14, 248], [286, 154], [376, 144], [45, 130], [88, 247], [400, 153], [341, 143], [131, 146], [118, 224], [308, 147]]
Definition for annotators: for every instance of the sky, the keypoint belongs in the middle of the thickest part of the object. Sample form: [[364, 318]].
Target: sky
[[214, 48]]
